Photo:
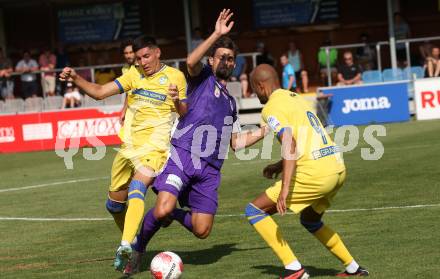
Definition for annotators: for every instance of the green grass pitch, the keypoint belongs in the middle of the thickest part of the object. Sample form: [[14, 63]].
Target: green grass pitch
[[393, 241]]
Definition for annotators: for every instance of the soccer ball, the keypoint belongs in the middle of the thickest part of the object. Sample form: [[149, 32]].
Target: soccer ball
[[166, 265]]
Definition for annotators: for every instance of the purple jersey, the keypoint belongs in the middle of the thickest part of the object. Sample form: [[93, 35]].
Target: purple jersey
[[206, 129]]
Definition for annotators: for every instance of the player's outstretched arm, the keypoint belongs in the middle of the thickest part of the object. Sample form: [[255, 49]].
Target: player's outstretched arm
[[222, 27], [96, 91], [245, 139]]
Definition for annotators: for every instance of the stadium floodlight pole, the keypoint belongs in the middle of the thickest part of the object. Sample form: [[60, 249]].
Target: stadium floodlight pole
[[391, 34], [187, 25]]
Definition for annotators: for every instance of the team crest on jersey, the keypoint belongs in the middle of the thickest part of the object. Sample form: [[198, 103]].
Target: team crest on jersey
[[217, 92], [163, 80]]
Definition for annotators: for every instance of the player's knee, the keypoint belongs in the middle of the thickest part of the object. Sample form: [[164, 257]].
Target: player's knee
[[202, 231], [137, 190], [254, 214], [115, 207], [311, 226], [162, 211]]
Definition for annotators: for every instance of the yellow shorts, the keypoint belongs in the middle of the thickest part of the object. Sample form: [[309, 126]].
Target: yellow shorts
[[127, 161], [304, 192]]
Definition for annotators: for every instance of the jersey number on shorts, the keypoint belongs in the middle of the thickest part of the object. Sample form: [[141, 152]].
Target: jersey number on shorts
[[316, 125]]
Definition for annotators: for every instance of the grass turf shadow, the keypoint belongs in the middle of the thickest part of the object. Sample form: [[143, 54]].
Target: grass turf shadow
[[198, 257], [313, 271]]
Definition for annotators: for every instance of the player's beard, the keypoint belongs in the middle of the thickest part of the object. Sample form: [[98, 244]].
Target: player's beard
[[223, 72], [263, 99]]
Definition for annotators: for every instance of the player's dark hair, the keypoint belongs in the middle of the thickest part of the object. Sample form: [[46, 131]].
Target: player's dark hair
[[223, 42], [284, 54], [144, 41], [125, 43]]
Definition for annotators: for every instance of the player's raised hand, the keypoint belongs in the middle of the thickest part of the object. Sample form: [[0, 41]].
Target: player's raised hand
[[68, 74], [281, 202], [174, 92], [221, 26]]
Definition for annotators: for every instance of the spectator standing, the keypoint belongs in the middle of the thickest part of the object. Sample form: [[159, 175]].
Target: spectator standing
[[322, 63], [296, 60], [47, 63], [264, 57], [288, 76], [425, 51], [433, 62], [6, 82], [401, 32], [366, 55], [239, 74], [26, 66], [349, 73]]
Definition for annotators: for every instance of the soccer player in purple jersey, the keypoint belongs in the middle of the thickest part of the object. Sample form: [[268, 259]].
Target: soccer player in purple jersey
[[200, 143]]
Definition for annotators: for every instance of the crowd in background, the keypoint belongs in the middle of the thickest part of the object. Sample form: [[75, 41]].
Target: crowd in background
[[37, 78]]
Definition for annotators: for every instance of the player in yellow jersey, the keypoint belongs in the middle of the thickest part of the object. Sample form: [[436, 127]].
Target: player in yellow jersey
[[130, 59], [312, 172], [155, 91]]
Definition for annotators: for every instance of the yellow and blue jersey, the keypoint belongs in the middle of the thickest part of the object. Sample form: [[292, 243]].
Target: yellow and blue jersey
[[316, 153], [150, 113]]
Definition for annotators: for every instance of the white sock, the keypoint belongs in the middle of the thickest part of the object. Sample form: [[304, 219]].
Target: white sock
[[352, 267], [125, 243], [295, 265]]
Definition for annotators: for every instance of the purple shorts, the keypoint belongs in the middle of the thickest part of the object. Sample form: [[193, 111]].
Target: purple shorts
[[193, 182]]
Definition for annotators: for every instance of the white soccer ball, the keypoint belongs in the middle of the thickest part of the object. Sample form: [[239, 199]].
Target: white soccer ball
[[166, 265]]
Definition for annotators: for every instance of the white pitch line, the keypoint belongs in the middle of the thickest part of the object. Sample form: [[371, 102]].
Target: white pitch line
[[52, 184], [221, 215]]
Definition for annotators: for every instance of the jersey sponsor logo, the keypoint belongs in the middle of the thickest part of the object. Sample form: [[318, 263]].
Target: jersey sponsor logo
[[174, 181], [273, 122], [150, 94], [163, 80], [366, 104], [7, 134], [324, 152], [93, 127]]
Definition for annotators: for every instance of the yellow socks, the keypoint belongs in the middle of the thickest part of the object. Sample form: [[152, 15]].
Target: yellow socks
[[269, 231], [135, 210], [334, 244]]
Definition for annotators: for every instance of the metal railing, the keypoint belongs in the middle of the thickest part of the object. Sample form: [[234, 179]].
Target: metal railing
[[172, 62], [378, 46]]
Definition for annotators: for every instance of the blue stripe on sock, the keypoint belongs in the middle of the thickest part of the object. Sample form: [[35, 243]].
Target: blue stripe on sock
[[254, 214], [114, 206], [135, 196], [137, 185], [312, 227]]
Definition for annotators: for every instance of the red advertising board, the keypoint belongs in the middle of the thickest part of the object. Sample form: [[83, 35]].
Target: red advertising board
[[427, 97], [51, 130]]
